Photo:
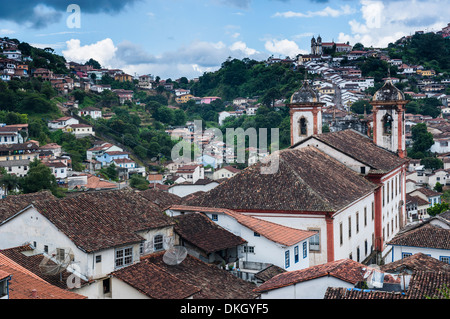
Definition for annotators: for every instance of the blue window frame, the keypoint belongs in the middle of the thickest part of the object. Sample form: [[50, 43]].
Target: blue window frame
[[286, 259], [445, 259], [256, 234], [215, 217], [296, 254], [404, 255], [305, 250]]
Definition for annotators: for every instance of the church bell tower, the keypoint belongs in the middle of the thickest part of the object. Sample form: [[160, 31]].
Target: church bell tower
[[389, 118], [306, 113]]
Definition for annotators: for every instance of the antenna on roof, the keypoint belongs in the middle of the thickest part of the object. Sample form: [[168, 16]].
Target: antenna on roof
[[174, 255], [57, 261]]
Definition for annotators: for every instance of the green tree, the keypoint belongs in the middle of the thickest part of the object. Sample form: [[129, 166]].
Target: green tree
[[139, 182], [9, 182], [432, 163], [360, 106], [95, 64], [438, 187], [422, 141], [436, 209], [111, 172], [39, 177]]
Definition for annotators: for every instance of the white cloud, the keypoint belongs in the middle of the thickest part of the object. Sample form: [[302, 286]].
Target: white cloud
[[6, 32], [384, 22], [190, 60], [103, 51], [284, 47], [241, 46], [326, 12]]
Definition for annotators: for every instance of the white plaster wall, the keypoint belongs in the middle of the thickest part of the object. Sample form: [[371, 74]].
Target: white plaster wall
[[396, 252], [311, 289], [304, 222], [339, 156], [121, 290], [184, 190], [296, 127], [390, 209], [358, 238], [388, 142]]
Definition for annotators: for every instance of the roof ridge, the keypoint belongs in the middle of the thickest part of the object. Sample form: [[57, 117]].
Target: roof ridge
[[323, 200]]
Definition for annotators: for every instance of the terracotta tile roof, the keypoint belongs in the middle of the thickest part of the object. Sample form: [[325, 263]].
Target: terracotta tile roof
[[424, 284], [427, 235], [4, 274], [354, 293], [30, 146], [269, 273], [94, 182], [200, 231], [361, 148], [427, 192], [161, 198], [24, 282], [12, 204], [417, 200], [112, 153], [277, 233], [416, 262], [344, 269], [31, 263], [103, 219], [123, 161], [154, 282], [445, 215], [215, 283], [306, 180], [231, 169]]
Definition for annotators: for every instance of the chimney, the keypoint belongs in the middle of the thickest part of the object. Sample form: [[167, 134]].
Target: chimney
[[34, 293]]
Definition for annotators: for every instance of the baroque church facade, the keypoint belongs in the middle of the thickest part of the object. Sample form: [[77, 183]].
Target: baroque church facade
[[347, 187]]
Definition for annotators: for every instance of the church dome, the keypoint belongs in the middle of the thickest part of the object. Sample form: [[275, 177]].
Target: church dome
[[305, 95], [388, 93]]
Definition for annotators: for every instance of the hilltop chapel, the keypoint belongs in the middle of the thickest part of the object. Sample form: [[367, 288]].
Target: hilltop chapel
[[346, 186]]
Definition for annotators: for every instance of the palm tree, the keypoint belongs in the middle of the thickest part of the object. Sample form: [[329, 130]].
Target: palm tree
[[9, 182]]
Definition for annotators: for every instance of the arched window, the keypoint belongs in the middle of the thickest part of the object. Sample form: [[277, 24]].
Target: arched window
[[387, 124], [303, 128]]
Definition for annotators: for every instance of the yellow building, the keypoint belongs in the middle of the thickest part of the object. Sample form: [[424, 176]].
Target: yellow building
[[327, 90], [426, 72], [123, 78], [184, 98]]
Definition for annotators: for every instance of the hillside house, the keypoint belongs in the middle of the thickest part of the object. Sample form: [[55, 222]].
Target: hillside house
[[139, 228], [93, 112], [267, 243], [79, 130], [62, 122]]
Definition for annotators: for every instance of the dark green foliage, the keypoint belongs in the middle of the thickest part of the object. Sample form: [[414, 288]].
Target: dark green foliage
[[422, 141], [247, 78], [432, 163], [39, 177], [95, 64], [429, 49], [360, 106], [139, 182], [436, 209]]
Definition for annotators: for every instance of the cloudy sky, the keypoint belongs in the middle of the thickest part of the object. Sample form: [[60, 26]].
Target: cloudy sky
[[174, 38]]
